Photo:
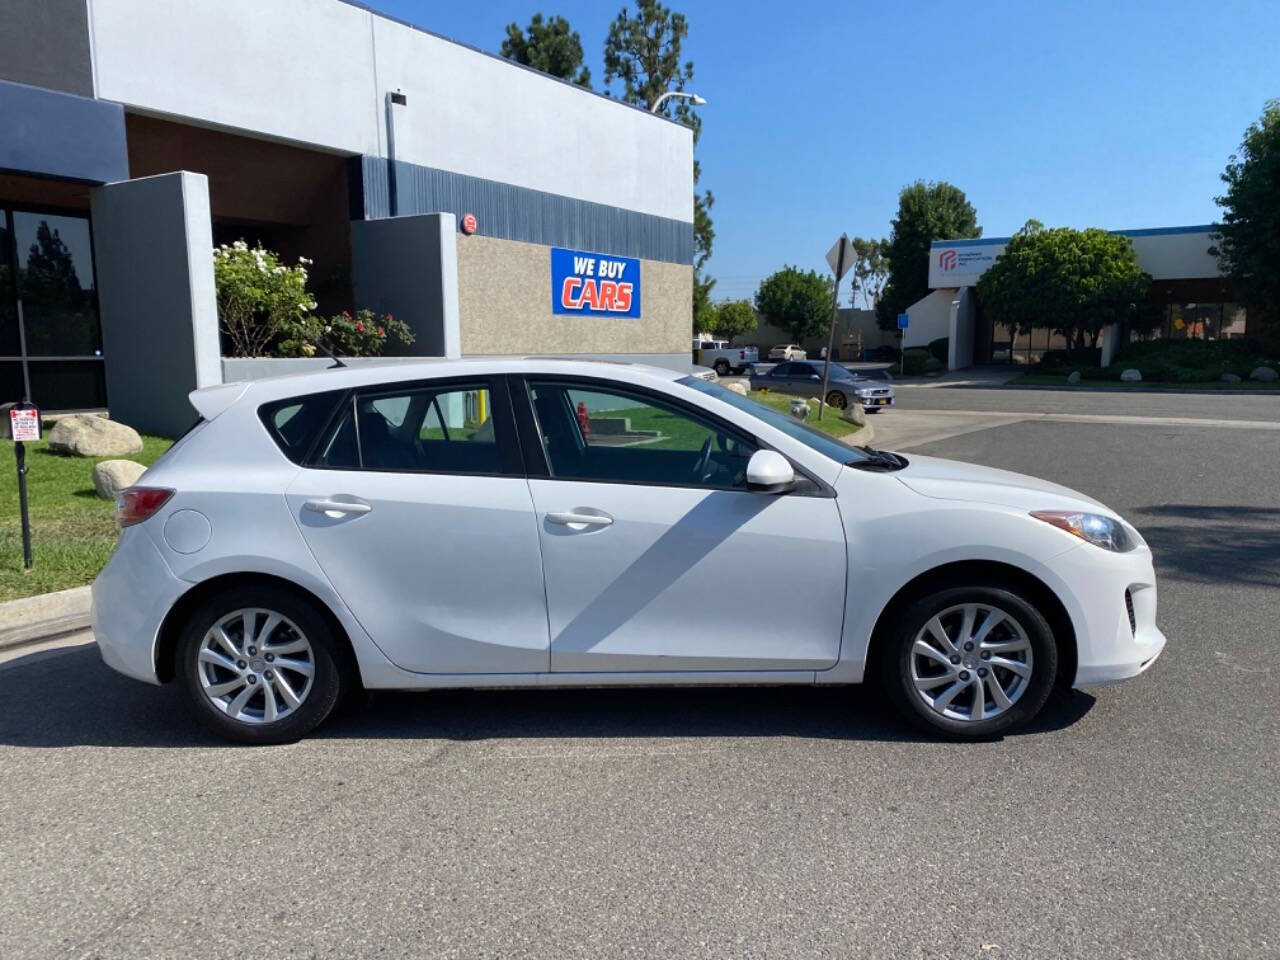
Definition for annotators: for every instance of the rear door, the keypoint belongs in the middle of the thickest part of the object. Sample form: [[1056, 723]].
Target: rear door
[[416, 507]]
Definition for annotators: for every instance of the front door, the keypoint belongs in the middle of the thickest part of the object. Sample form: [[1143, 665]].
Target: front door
[[418, 512], [656, 557]]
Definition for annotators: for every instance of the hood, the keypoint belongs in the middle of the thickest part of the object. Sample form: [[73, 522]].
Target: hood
[[952, 480]]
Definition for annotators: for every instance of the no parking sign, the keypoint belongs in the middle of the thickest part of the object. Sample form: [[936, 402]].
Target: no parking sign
[[24, 424]]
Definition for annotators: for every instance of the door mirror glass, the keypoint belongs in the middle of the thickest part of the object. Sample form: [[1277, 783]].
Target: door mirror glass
[[770, 472]]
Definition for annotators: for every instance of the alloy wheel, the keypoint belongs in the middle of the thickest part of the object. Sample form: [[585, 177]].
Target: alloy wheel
[[971, 662], [835, 399], [255, 666]]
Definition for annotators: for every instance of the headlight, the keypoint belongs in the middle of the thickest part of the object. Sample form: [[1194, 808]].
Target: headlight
[[1101, 531]]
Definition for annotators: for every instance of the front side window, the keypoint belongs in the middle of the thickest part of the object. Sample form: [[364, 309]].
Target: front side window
[[813, 439], [428, 430], [616, 436]]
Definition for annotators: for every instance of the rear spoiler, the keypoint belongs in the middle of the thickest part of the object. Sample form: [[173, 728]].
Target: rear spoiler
[[211, 401]]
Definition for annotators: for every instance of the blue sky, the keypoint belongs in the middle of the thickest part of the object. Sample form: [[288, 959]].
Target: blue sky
[[1113, 114]]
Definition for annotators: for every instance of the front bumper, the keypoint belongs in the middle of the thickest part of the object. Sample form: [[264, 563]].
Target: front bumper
[[1091, 584], [131, 597], [875, 403]]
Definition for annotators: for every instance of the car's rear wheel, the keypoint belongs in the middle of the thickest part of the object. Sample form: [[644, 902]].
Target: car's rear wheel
[[836, 400], [722, 368], [970, 661], [260, 665]]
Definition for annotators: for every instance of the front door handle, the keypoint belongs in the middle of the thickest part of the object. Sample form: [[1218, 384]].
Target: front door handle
[[571, 519], [338, 506]]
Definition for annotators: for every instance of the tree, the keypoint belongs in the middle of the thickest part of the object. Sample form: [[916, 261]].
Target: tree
[[870, 270], [550, 46], [1247, 242], [797, 300], [926, 212], [1074, 282], [732, 319], [642, 50]]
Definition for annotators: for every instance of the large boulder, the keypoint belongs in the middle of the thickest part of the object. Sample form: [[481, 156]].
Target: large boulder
[[112, 476], [736, 388], [1230, 378], [1131, 376], [1264, 374], [84, 435], [854, 414], [1073, 377]]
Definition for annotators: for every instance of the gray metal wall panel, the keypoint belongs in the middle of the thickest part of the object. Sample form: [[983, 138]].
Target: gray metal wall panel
[[60, 135], [533, 216], [46, 43]]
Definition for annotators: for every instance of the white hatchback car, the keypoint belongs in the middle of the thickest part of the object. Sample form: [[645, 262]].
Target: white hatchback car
[[557, 523]]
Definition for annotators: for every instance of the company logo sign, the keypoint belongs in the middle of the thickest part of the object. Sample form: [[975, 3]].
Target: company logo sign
[[947, 260], [594, 284]]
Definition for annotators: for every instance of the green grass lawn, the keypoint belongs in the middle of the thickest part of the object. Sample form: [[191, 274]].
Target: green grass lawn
[[73, 531], [832, 423], [1060, 380]]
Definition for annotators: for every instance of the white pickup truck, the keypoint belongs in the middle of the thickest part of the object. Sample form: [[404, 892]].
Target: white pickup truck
[[724, 359]]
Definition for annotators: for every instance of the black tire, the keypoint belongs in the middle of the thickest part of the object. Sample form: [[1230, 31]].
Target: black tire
[[326, 655], [722, 368], [895, 660]]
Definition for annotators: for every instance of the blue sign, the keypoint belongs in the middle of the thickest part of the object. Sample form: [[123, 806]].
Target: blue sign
[[902, 321], [594, 284]]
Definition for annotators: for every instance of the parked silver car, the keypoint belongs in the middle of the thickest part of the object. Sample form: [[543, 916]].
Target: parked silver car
[[804, 379]]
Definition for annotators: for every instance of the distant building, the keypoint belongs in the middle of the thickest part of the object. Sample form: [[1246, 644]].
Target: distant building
[[1187, 289]]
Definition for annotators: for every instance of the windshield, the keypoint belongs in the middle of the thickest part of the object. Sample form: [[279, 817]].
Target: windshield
[[811, 438]]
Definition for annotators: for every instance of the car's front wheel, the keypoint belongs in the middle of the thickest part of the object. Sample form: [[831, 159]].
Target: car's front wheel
[[836, 400], [260, 665], [970, 661]]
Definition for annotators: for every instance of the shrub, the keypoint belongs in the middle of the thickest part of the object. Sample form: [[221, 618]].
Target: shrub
[[1189, 361], [258, 296], [915, 361], [363, 335], [939, 349]]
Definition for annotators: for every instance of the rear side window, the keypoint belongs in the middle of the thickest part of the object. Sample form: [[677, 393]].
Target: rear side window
[[427, 430], [294, 424]]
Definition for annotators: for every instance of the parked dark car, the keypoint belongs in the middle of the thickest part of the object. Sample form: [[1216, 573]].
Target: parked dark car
[[803, 378]]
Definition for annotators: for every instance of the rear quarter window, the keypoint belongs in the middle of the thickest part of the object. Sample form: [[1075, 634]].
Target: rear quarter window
[[295, 423]]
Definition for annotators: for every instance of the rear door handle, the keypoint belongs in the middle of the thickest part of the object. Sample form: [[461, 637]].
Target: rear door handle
[[337, 506], [585, 519]]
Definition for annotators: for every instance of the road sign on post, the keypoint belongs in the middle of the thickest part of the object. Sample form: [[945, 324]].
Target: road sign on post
[[24, 427], [840, 256], [903, 320]]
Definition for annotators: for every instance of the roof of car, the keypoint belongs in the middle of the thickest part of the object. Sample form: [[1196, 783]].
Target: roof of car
[[209, 401]]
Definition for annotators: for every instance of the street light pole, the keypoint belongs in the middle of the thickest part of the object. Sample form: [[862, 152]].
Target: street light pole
[[693, 98]]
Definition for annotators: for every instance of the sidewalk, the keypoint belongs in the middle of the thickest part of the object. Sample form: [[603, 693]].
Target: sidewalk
[[43, 617]]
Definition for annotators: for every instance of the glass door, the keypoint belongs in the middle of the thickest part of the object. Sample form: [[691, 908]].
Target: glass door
[[50, 335]]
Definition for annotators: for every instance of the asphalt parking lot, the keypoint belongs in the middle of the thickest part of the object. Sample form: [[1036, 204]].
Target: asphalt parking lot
[[1139, 821]]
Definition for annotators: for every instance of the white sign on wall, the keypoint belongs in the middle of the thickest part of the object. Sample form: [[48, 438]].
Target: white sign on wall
[[961, 265]]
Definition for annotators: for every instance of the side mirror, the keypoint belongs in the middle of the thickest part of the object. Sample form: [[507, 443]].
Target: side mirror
[[769, 472]]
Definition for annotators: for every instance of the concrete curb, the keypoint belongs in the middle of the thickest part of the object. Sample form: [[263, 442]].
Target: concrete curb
[[44, 617]]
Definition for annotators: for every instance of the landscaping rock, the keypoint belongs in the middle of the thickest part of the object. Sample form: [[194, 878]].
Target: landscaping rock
[[1131, 376], [1230, 378], [737, 388], [1264, 374], [854, 414], [112, 476], [1073, 376], [84, 435]]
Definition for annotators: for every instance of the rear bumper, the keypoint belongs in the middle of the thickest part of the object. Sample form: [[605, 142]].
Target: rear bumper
[[131, 597]]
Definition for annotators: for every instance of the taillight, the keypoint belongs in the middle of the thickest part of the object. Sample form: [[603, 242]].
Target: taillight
[[138, 503]]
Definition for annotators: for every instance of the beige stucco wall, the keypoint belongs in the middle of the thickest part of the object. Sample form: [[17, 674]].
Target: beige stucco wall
[[504, 305]]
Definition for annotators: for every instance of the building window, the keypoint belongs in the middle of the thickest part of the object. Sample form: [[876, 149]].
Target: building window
[[50, 336]]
